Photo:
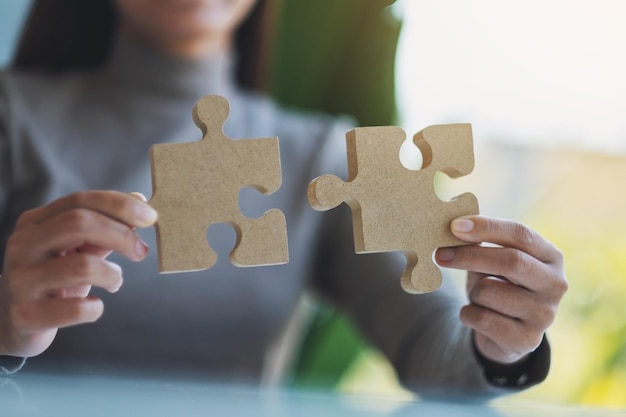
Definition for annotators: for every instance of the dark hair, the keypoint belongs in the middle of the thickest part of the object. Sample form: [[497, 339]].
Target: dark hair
[[66, 35]]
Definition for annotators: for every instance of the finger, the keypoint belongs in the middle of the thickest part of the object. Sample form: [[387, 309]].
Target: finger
[[472, 279], [512, 301], [139, 196], [73, 229], [94, 250], [80, 291], [77, 270], [495, 352], [56, 312], [103, 253], [125, 208], [517, 266], [511, 337], [506, 233]]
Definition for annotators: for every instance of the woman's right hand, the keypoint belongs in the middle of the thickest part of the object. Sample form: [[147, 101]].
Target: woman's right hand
[[53, 258]]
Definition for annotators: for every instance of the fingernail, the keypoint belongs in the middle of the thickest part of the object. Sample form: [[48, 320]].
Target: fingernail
[[445, 254], [139, 196], [115, 266], [462, 225], [117, 288], [146, 215], [141, 248]]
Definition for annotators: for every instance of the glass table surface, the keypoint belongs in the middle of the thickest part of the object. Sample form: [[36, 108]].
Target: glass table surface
[[52, 395]]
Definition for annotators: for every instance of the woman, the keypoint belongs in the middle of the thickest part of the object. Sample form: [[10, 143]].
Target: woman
[[65, 131]]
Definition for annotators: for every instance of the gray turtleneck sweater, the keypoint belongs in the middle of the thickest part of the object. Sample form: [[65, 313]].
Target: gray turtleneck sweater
[[93, 131]]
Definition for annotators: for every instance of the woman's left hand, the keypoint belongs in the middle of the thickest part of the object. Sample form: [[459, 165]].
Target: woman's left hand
[[514, 288]]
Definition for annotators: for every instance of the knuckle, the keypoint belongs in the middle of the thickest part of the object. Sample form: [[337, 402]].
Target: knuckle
[[522, 234], [559, 257], [482, 292], [14, 287], [545, 313], [79, 219], [25, 217], [517, 340], [15, 242], [518, 261], [123, 204], [485, 320], [80, 198], [561, 286], [467, 254], [18, 273], [470, 315], [490, 228], [128, 235], [526, 342], [77, 310], [535, 341], [464, 315], [556, 289], [21, 314], [83, 267], [489, 323]]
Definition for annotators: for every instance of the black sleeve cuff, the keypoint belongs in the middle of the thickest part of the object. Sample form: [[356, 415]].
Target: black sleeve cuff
[[11, 364], [531, 371]]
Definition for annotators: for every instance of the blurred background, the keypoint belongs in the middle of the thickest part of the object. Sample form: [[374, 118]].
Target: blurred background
[[543, 84]]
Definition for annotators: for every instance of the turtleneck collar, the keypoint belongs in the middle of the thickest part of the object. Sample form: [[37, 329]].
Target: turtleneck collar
[[138, 67]]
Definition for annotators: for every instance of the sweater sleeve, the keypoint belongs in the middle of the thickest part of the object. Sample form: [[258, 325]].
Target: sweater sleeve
[[421, 335], [5, 163], [8, 364]]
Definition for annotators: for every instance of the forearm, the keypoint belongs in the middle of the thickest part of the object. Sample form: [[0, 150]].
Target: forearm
[[441, 360], [436, 358]]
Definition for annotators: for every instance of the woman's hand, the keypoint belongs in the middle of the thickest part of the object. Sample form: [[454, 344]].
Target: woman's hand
[[53, 258], [514, 288]]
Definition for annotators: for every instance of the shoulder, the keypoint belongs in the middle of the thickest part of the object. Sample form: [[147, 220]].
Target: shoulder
[[19, 85], [24, 93], [36, 101]]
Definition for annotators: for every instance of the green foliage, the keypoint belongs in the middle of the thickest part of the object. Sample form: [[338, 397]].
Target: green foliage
[[329, 349], [337, 56]]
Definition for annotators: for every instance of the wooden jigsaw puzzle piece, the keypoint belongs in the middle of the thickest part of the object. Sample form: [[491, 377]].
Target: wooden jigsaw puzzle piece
[[197, 184], [261, 241], [181, 226], [396, 209]]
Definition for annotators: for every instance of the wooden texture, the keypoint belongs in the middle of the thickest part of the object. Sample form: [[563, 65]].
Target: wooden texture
[[197, 184], [396, 209]]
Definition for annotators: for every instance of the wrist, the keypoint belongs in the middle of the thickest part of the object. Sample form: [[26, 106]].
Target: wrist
[[530, 370]]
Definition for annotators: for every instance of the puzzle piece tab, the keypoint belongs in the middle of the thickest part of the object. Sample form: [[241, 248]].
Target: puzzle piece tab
[[394, 208], [197, 184]]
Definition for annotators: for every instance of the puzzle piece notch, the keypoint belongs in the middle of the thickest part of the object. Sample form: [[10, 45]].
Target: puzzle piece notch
[[396, 209], [197, 184]]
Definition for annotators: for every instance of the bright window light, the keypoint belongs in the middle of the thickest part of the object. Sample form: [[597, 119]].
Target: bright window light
[[537, 72]]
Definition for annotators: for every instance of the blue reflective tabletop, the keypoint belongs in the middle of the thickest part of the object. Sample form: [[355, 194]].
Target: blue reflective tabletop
[[67, 396]]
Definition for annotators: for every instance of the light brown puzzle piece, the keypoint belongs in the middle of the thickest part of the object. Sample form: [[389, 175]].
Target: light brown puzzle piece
[[197, 184], [394, 208]]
